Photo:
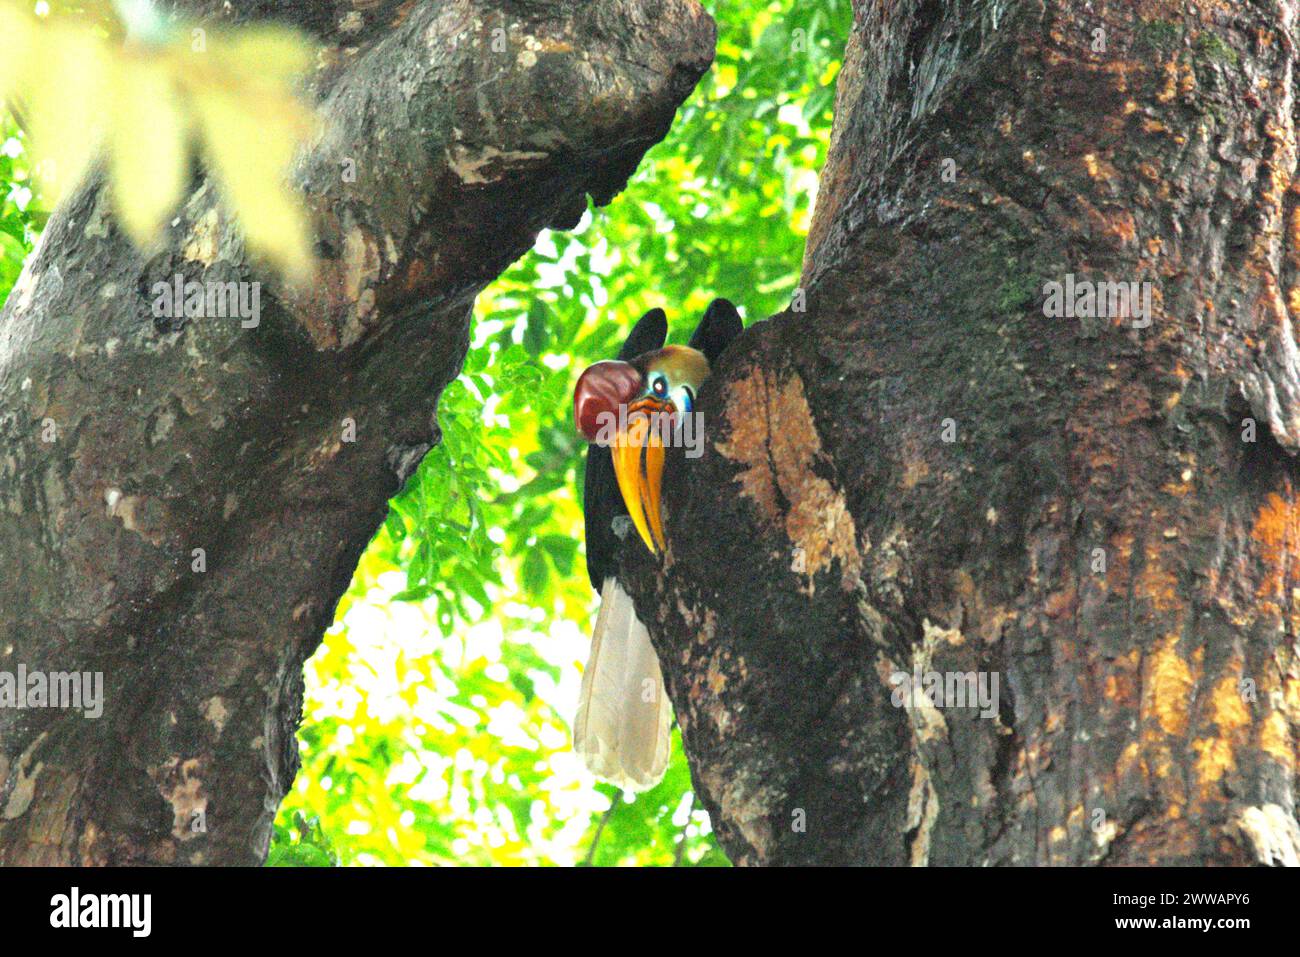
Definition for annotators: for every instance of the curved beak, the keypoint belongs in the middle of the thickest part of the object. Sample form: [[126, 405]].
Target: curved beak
[[606, 414], [638, 453]]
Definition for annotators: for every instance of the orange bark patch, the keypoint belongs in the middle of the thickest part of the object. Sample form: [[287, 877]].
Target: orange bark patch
[[1120, 687], [1275, 740], [1293, 252], [1121, 558], [1158, 583], [1130, 761], [1170, 88], [1214, 759], [1276, 532], [1061, 602], [914, 470], [1168, 682], [773, 435], [1227, 709]]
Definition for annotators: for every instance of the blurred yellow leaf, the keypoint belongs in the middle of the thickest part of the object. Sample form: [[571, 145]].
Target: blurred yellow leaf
[[15, 42], [143, 103], [271, 53], [148, 154], [66, 93], [249, 152]]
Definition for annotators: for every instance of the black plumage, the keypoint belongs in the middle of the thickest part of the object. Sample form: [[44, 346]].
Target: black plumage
[[602, 501], [720, 325]]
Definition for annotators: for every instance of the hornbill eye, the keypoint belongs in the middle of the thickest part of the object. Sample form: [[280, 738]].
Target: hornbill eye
[[659, 385]]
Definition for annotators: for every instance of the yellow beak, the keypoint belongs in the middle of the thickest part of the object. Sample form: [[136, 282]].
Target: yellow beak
[[638, 457]]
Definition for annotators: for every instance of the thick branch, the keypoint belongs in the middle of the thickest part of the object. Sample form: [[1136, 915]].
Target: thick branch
[[923, 470], [470, 126]]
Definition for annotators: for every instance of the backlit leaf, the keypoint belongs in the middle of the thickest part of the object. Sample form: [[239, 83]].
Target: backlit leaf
[[148, 158]]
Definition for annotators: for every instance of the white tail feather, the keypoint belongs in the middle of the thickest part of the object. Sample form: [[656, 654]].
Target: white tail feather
[[623, 721]]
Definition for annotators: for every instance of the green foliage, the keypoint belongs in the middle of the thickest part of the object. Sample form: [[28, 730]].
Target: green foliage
[[662, 820], [21, 214], [436, 727], [300, 842]]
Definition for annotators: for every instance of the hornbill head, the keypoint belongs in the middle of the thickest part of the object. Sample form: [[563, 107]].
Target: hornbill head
[[632, 406]]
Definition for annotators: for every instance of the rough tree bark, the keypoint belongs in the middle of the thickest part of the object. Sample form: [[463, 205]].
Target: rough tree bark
[[471, 125], [1101, 533]]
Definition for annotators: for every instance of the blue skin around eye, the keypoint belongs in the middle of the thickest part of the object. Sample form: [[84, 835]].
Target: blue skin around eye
[[659, 388]]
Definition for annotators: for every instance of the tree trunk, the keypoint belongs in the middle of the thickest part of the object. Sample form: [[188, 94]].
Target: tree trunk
[[927, 469], [128, 444]]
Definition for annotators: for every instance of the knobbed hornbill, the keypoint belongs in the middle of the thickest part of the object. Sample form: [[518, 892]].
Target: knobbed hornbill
[[626, 409]]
